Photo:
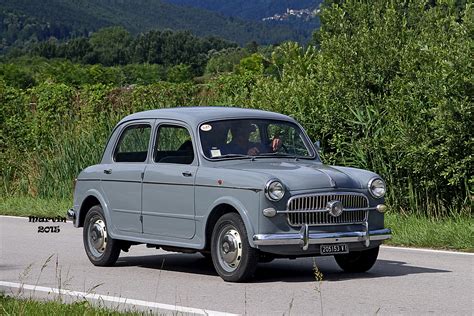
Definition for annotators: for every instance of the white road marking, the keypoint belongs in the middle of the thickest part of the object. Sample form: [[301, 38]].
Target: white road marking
[[11, 216], [430, 250], [114, 299]]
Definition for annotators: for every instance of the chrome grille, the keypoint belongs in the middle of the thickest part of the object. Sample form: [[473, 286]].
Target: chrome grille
[[311, 209]]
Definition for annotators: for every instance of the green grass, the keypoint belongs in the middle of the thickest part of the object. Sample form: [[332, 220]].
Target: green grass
[[455, 233], [26, 206], [16, 306]]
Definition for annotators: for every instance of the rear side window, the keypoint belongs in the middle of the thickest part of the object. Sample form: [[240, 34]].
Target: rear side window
[[174, 145], [133, 144]]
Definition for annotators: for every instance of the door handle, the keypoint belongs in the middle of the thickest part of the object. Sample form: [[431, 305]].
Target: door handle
[[187, 174], [108, 171]]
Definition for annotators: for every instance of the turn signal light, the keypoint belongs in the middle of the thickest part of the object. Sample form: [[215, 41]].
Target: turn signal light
[[382, 208], [269, 212]]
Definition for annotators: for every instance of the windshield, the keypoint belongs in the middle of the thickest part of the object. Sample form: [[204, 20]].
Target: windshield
[[253, 137]]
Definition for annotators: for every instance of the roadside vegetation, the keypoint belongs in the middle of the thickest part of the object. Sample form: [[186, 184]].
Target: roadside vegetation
[[34, 206], [385, 86], [19, 306], [451, 233]]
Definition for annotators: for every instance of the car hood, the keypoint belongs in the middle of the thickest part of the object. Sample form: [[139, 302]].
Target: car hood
[[301, 175]]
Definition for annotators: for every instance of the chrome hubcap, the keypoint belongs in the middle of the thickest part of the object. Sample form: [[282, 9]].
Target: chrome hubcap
[[97, 237], [229, 248]]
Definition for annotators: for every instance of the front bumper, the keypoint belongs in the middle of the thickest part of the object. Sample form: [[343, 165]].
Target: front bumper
[[304, 238]]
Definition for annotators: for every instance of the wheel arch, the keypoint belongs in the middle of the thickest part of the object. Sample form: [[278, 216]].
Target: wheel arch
[[92, 198], [221, 207]]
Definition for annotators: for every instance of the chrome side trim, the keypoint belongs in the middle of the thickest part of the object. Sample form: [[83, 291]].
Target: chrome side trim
[[321, 238]]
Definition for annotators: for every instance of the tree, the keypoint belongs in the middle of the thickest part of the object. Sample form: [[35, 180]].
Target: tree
[[180, 73], [252, 64], [111, 44], [224, 60]]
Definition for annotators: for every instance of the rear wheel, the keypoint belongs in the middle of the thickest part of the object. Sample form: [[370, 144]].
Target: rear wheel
[[358, 261], [101, 249], [232, 256]]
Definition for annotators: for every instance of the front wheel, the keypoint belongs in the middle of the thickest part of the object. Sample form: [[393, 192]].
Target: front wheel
[[232, 256], [101, 249], [357, 261]]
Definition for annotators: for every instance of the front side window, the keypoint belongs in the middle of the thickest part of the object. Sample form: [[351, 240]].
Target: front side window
[[173, 145], [133, 144], [253, 137]]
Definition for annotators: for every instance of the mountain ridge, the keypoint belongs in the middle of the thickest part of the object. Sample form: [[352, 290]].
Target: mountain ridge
[[249, 10], [29, 20], [263, 10]]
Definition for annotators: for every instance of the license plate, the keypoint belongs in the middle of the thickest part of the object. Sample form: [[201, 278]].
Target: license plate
[[334, 249]]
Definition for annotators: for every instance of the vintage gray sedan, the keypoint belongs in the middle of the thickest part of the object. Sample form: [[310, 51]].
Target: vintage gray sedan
[[237, 185]]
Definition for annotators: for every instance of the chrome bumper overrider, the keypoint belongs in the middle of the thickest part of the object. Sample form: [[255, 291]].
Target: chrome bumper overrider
[[304, 238], [71, 215]]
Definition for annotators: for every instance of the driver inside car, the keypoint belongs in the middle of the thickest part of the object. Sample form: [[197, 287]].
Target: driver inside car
[[241, 143]]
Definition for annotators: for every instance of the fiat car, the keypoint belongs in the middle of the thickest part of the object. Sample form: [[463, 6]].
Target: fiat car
[[239, 186]]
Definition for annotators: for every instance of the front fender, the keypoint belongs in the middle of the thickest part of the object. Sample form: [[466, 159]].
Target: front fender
[[249, 217], [103, 203]]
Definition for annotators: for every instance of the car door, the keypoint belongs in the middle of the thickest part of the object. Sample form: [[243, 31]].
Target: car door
[[122, 179], [168, 184]]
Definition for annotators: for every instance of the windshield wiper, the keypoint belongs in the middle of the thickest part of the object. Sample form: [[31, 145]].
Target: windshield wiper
[[276, 154], [234, 156]]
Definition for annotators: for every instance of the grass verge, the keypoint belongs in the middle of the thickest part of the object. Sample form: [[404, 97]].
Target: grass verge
[[17, 306], [26, 206], [456, 233]]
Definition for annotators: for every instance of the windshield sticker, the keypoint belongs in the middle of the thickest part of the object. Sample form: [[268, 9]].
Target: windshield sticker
[[215, 153], [206, 127]]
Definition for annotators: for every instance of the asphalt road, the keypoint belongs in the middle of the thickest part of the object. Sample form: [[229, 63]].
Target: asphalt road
[[403, 281]]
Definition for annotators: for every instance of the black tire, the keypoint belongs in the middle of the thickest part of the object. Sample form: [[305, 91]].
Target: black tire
[[206, 255], [358, 261], [108, 251], [239, 263], [265, 258]]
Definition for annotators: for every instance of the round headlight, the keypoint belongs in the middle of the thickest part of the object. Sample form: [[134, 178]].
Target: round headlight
[[377, 187], [274, 190]]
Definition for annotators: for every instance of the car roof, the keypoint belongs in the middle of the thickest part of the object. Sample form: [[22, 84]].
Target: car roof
[[194, 115]]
